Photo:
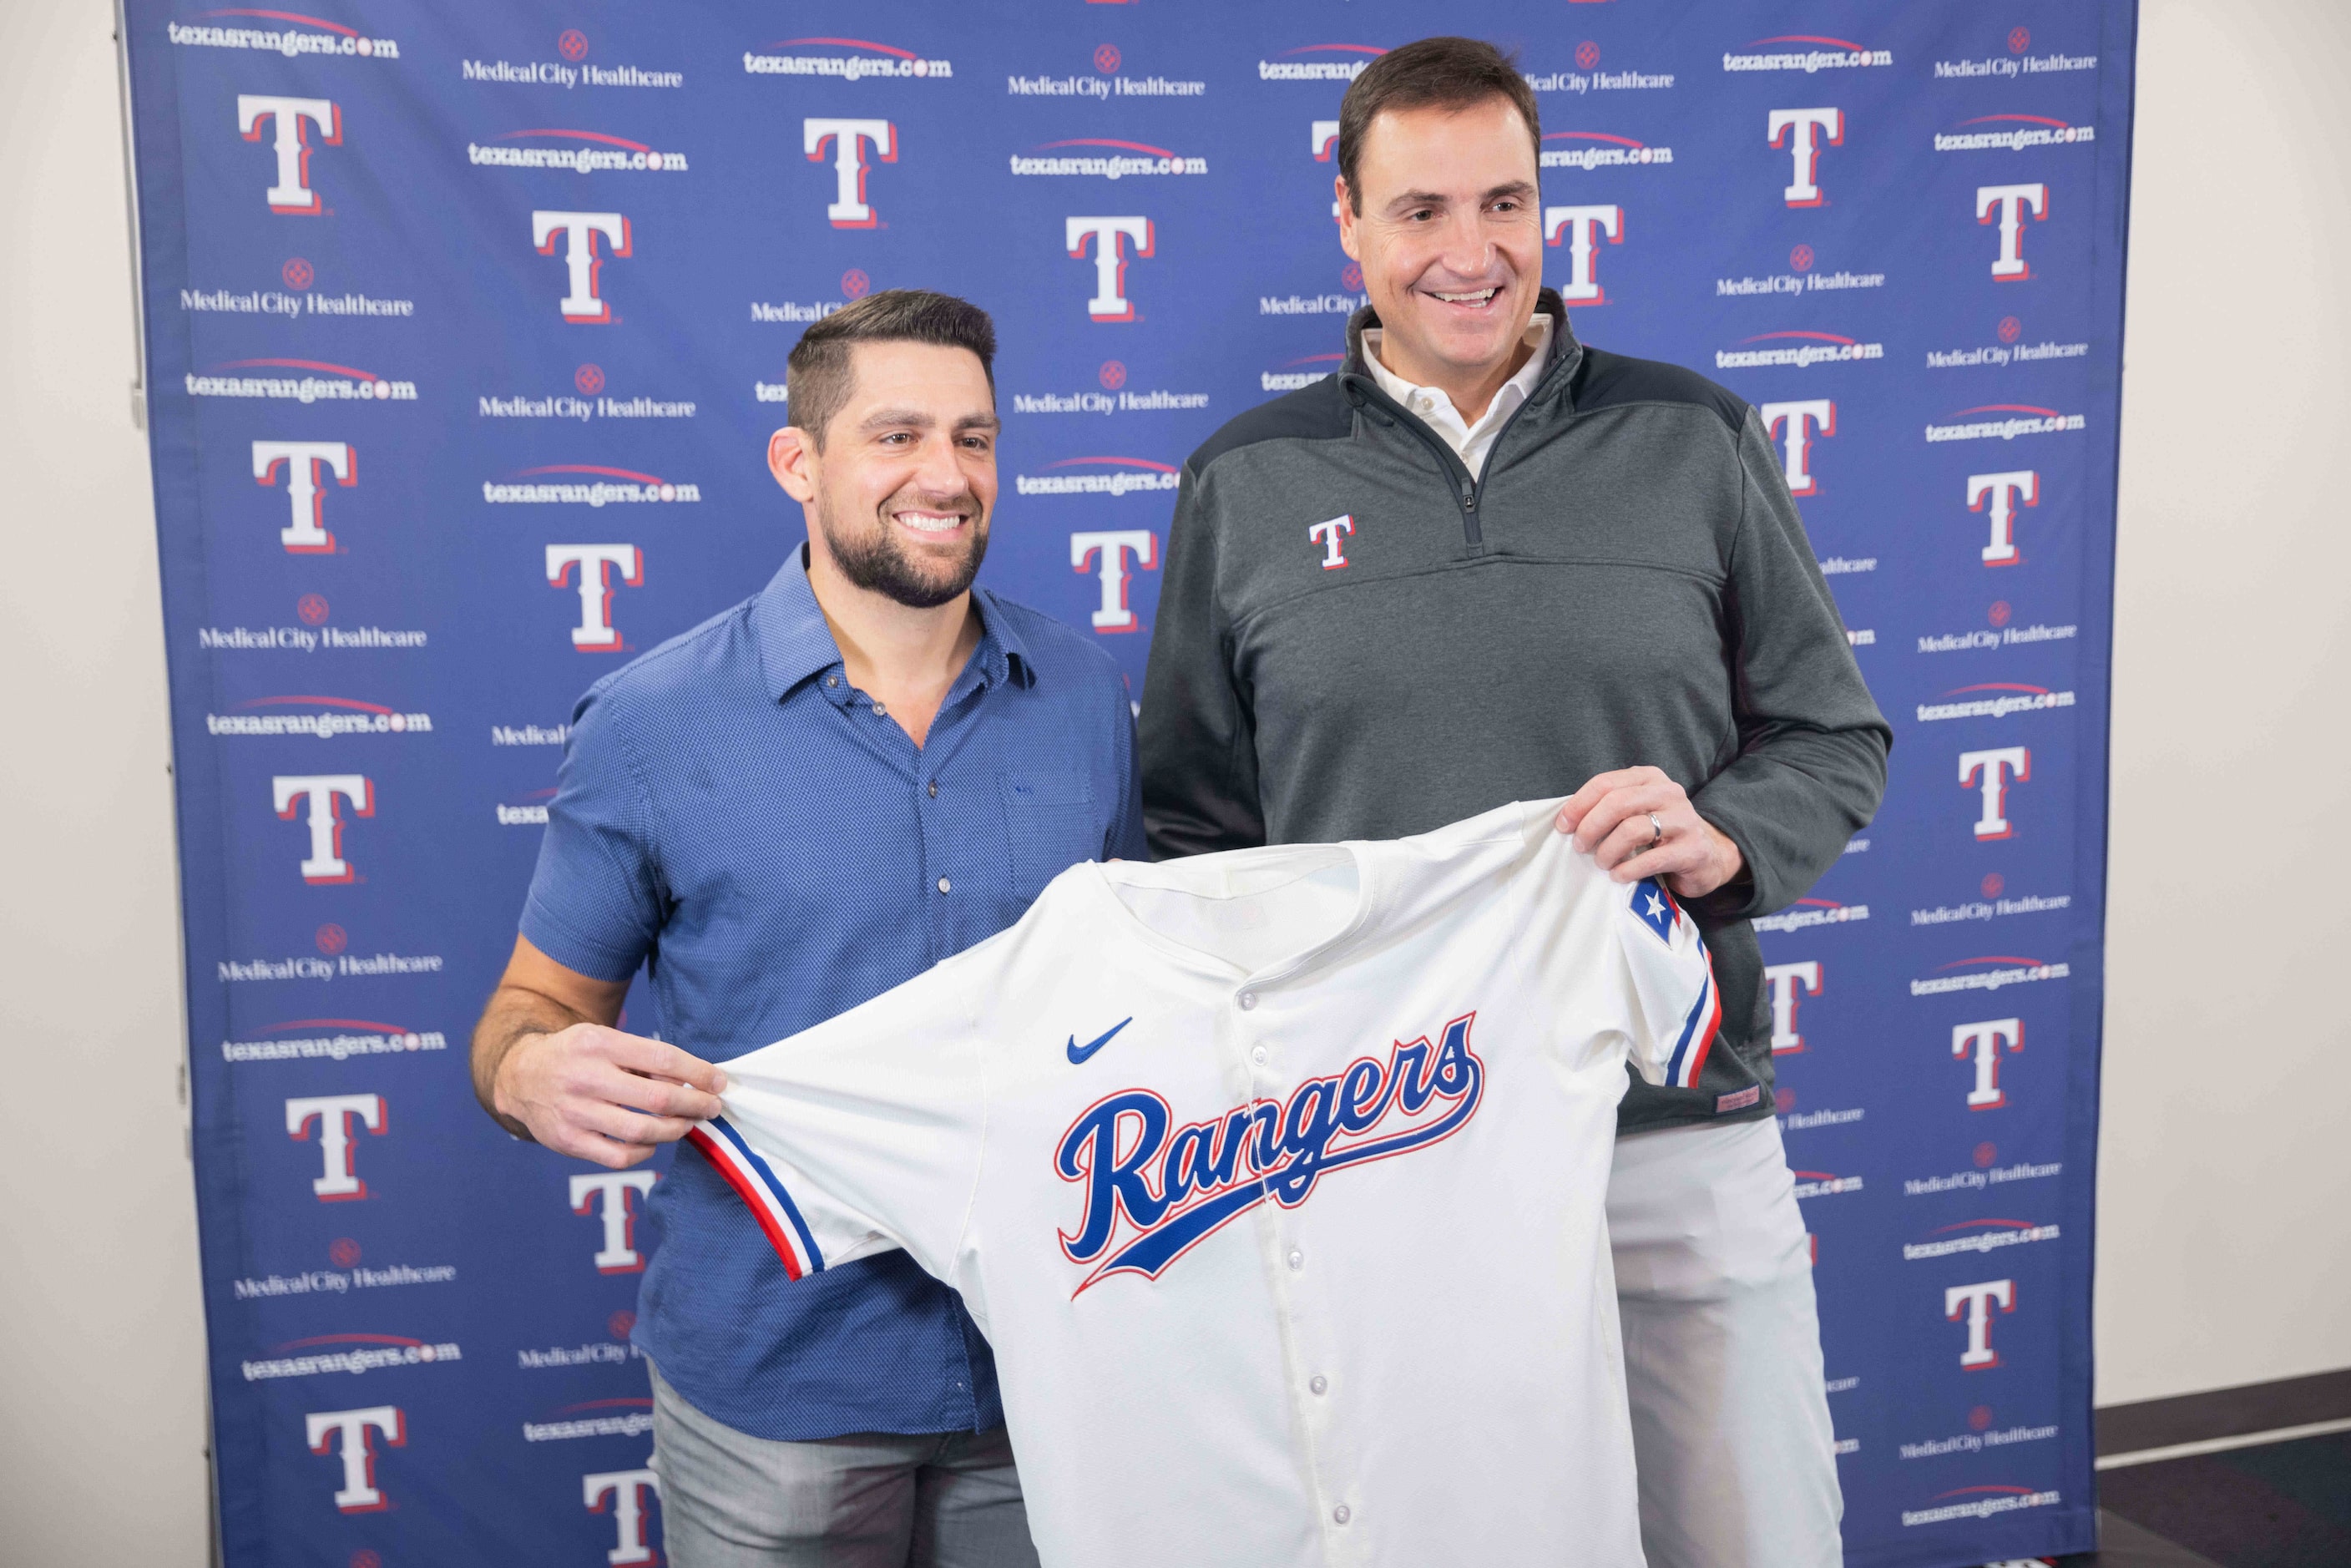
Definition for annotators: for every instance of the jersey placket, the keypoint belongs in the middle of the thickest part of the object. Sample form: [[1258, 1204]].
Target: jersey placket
[[1277, 1037]]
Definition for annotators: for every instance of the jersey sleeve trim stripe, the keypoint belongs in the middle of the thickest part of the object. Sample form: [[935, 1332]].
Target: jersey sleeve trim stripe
[[756, 1184], [1687, 1062], [1698, 1030]]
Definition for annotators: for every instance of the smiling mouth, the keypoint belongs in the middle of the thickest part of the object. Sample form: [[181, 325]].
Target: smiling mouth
[[1474, 299], [929, 522]]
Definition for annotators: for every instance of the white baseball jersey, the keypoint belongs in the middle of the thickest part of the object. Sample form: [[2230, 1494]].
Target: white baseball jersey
[[1276, 1180]]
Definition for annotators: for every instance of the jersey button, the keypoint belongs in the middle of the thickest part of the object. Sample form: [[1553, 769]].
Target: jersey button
[[1320, 1385], [1297, 1260], [946, 886], [1341, 1514], [1248, 1000], [1258, 1056]]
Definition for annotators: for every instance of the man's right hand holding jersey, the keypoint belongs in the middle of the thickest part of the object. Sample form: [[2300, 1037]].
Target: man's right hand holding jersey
[[549, 1066]]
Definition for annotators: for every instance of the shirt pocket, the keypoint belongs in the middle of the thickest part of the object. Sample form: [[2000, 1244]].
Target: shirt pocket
[[1050, 825]]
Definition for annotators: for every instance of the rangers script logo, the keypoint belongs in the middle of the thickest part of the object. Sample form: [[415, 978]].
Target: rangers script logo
[[1174, 1186]]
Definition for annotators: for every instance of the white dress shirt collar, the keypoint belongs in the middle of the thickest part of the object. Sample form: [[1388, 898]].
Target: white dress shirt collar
[[1435, 407]]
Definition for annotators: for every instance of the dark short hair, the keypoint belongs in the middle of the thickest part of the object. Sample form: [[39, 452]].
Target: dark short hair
[[1431, 73], [817, 377]]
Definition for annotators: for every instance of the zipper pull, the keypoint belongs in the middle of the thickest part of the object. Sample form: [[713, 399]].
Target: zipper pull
[[1469, 493]]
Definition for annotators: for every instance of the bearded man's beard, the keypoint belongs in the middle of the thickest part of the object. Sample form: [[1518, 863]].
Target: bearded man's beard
[[874, 558]]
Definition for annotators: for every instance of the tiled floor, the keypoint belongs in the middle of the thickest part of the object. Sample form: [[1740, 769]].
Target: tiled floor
[[2286, 1505]]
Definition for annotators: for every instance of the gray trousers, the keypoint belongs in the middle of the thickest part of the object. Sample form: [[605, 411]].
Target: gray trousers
[[1722, 1351], [872, 1499]]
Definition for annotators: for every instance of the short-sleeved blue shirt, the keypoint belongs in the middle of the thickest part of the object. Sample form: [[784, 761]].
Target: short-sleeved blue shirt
[[732, 809]]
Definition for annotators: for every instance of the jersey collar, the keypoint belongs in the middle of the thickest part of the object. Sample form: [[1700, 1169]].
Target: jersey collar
[[1207, 876]]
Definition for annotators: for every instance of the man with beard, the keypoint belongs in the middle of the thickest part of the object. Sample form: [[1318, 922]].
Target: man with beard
[[867, 768]]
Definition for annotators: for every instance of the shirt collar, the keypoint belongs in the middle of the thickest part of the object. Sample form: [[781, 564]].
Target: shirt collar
[[795, 642], [1508, 396]]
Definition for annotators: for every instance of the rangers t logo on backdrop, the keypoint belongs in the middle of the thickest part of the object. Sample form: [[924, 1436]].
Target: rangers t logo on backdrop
[[1976, 1302], [2007, 204], [324, 864], [307, 534], [609, 1192], [1786, 982], [580, 303], [1984, 1041], [849, 139], [595, 632], [1323, 137], [1795, 128], [1575, 227], [2005, 492], [1110, 237], [1991, 772], [1111, 547], [292, 192], [333, 1115], [1804, 419], [626, 1490], [346, 1432]]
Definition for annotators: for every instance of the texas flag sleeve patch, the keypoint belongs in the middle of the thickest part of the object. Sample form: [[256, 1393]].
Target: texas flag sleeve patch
[[1679, 1004]]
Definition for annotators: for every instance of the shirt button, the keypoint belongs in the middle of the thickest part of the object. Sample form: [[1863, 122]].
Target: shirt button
[[1258, 1056], [880, 712], [946, 886], [1341, 1514], [935, 789], [1320, 1385], [1248, 1000], [1296, 1259], [832, 680]]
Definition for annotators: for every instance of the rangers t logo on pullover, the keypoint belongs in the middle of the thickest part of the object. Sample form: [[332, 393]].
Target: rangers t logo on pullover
[[1276, 1178]]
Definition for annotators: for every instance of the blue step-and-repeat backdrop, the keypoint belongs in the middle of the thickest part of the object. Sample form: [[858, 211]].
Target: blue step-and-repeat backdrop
[[466, 328]]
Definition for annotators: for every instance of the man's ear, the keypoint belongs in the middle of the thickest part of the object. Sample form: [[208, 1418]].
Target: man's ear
[[1347, 218], [793, 459]]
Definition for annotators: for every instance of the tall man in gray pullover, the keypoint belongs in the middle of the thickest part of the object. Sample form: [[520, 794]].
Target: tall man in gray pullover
[[1482, 563]]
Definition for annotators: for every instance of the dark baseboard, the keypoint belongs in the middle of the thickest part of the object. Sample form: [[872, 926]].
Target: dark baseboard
[[2224, 1413]]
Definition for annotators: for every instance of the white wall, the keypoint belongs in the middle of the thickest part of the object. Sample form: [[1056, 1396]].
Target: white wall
[[2222, 1250], [101, 1335], [2224, 1255]]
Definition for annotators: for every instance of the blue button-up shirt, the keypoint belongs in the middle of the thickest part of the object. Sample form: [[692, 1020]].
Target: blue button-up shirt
[[733, 810]]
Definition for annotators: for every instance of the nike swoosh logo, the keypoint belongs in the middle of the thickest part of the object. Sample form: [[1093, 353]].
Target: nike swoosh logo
[[1078, 1054]]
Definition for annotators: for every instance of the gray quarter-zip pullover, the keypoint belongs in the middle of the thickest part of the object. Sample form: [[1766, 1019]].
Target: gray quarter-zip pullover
[[1628, 583]]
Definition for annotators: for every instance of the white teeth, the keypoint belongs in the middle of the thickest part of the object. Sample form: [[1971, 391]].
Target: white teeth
[[1478, 298], [930, 522]]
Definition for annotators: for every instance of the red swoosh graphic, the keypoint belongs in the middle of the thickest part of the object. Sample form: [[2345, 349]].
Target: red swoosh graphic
[[591, 468], [1134, 461], [352, 703], [581, 135], [302, 365], [848, 43], [1103, 141], [288, 16]]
